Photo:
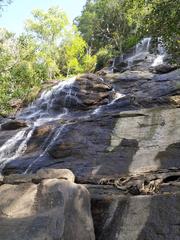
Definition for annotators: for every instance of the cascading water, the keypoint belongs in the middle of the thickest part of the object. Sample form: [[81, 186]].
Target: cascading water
[[141, 54], [59, 104], [42, 110], [140, 48], [37, 115], [45, 147], [14, 147], [161, 54], [143, 45]]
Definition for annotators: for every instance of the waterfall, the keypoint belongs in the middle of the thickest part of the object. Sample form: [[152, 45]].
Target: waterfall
[[41, 111], [14, 147], [57, 104], [140, 48], [17, 145], [143, 45], [54, 138], [161, 54]]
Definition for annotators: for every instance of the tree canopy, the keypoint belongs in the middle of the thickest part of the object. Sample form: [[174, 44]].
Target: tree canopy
[[118, 25], [50, 48]]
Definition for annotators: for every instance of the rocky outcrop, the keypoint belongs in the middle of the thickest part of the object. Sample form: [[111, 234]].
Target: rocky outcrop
[[86, 91], [145, 88], [136, 217], [53, 208], [119, 133], [164, 68], [13, 124], [131, 141]]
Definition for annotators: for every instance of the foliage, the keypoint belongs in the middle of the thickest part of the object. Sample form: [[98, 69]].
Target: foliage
[[118, 25], [49, 48], [103, 23], [75, 54], [103, 57], [157, 18], [47, 26], [4, 3], [60, 47]]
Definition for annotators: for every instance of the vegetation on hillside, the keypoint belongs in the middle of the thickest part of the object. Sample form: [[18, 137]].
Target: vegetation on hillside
[[52, 48], [118, 25], [49, 49]]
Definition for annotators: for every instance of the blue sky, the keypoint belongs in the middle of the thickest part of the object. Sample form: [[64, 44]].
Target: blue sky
[[14, 16]]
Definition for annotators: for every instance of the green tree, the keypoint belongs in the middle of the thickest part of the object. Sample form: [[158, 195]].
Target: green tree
[[48, 49], [47, 26], [48, 29], [4, 3], [75, 55], [157, 18], [118, 25], [104, 23], [61, 48]]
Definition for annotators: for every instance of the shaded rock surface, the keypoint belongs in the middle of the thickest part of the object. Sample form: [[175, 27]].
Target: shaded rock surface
[[140, 217], [164, 68], [13, 125], [116, 143], [53, 209]]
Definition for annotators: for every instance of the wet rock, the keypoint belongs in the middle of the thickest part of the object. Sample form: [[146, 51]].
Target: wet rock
[[147, 89], [53, 209], [164, 68], [129, 76], [13, 124], [87, 91], [111, 143], [93, 90], [171, 76], [6, 135], [118, 144], [104, 71]]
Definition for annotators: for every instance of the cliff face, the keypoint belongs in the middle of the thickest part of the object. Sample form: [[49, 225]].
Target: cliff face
[[119, 133]]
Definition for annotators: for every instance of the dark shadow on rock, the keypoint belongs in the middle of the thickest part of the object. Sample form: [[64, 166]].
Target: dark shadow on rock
[[170, 157], [163, 222], [108, 213], [164, 218], [108, 216]]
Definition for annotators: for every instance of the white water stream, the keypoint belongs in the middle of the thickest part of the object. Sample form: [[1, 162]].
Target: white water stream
[[140, 48], [161, 54], [17, 145], [14, 147]]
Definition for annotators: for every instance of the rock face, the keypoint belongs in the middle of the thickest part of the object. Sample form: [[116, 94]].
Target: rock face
[[86, 91], [53, 209], [139, 217], [13, 125], [119, 133]]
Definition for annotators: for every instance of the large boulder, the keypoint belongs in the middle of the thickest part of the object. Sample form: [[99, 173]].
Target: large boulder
[[85, 92], [53, 209]]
